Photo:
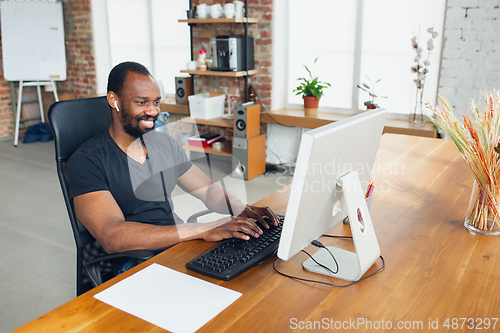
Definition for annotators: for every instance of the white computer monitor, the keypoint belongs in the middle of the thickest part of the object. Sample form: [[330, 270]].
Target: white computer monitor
[[317, 202]]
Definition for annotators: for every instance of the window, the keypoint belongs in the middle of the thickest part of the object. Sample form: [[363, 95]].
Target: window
[[353, 40], [146, 31]]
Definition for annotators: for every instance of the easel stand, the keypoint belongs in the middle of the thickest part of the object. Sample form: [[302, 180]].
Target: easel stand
[[20, 100], [351, 265]]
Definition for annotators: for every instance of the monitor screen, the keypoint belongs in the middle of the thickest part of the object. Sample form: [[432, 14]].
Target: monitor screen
[[325, 154]]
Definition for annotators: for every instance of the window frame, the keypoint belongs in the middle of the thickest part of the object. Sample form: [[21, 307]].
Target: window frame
[[280, 89], [102, 45]]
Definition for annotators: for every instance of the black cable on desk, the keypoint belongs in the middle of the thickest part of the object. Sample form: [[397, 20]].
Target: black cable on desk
[[340, 237], [326, 283]]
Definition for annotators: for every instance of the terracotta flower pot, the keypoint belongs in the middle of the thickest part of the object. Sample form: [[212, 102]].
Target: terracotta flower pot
[[370, 107], [311, 105]]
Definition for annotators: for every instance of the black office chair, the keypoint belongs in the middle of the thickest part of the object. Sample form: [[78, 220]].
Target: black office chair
[[73, 122]]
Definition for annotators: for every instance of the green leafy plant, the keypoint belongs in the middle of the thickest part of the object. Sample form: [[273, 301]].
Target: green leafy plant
[[370, 91], [311, 87]]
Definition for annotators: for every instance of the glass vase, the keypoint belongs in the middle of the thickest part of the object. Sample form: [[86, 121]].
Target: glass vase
[[417, 113], [483, 214]]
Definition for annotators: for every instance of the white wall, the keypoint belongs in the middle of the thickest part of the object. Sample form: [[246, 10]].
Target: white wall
[[101, 44], [282, 142], [280, 25], [144, 31], [471, 53]]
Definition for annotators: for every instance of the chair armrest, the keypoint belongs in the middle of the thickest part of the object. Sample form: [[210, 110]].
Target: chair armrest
[[136, 254], [93, 269]]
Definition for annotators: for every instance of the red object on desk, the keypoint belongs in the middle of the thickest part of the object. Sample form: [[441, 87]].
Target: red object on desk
[[204, 141]]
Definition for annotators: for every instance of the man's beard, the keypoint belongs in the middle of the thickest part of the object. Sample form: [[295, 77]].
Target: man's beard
[[136, 131]]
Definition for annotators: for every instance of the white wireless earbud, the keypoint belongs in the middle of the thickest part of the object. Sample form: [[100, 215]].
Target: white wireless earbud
[[116, 106]]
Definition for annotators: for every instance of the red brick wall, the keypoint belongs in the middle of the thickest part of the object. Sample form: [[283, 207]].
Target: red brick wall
[[81, 70], [263, 37], [81, 74], [6, 119]]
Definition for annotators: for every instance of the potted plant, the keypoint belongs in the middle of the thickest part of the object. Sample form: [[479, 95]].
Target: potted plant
[[311, 90], [370, 104]]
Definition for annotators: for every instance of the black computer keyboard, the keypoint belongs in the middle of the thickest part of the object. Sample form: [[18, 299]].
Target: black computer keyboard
[[234, 256]]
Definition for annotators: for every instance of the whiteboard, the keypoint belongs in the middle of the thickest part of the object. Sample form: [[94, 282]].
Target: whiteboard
[[33, 46]]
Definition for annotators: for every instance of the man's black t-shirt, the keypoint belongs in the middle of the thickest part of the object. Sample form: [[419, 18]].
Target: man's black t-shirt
[[142, 191]]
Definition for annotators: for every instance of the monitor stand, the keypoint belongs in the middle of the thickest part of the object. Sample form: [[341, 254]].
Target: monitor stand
[[351, 265]]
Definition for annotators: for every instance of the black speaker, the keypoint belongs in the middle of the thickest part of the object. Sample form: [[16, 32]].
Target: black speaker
[[247, 120], [182, 89]]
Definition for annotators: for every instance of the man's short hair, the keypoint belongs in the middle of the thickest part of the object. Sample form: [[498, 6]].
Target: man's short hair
[[118, 75]]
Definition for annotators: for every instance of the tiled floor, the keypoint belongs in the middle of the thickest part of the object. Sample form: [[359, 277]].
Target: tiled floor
[[37, 266]]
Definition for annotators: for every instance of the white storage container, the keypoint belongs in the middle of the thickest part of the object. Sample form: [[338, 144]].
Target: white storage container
[[203, 107]]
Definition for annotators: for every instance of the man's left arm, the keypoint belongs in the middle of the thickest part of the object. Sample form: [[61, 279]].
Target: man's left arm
[[197, 183]]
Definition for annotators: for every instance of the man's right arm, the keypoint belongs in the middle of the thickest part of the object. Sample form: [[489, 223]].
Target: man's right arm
[[103, 218]]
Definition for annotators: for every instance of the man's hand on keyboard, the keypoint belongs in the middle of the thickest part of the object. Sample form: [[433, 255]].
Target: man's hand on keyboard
[[257, 214], [227, 227], [241, 226]]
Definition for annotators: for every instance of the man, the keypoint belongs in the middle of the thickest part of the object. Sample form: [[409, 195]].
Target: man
[[125, 212]]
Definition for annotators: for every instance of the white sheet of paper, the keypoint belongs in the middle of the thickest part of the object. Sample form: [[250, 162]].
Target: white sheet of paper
[[166, 298]]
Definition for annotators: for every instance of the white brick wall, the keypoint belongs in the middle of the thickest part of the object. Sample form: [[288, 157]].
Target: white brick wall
[[471, 51]]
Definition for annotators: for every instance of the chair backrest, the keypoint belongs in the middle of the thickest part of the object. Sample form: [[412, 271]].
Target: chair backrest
[[73, 122]]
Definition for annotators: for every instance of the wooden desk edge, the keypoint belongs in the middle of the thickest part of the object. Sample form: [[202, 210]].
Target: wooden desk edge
[[296, 118]]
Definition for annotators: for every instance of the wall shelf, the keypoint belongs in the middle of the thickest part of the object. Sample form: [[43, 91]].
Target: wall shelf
[[174, 108], [221, 20], [244, 21], [226, 151], [219, 122], [220, 73]]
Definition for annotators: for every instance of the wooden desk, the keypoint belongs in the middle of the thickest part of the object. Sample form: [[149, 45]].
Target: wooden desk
[[435, 268]]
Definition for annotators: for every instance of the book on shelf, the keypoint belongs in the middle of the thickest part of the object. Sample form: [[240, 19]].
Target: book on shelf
[[204, 140]]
